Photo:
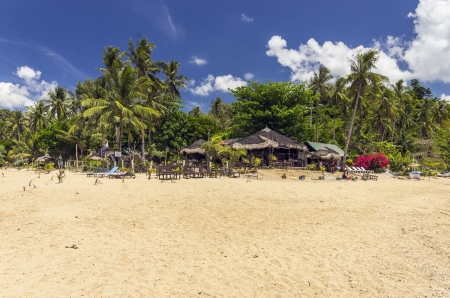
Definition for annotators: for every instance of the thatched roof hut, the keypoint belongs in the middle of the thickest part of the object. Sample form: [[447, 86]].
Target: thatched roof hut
[[102, 152], [195, 147], [325, 153], [44, 158], [267, 138]]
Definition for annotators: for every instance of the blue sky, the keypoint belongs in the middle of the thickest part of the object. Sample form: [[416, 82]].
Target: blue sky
[[220, 44]]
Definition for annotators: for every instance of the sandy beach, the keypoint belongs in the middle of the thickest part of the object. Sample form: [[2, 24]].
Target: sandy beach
[[223, 237]]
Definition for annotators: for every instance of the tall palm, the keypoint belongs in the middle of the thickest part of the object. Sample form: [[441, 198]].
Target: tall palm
[[140, 56], [37, 116], [17, 123], [121, 105], [174, 80], [439, 112], [319, 84], [386, 110], [360, 77], [58, 102], [399, 89], [339, 99]]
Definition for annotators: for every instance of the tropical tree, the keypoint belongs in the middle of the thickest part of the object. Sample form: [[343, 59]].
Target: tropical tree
[[439, 113], [173, 80], [360, 77], [37, 116], [122, 102], [58, 102], [319, 84], [17, 123], [339, 98]]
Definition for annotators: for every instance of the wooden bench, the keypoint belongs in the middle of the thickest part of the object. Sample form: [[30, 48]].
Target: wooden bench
[[167, 172]]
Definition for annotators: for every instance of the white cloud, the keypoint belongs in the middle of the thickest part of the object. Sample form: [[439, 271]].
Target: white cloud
[[19, 96], [426, 56], [445, 97], [220, 83], [248, 76], [246, 19], [197, 61]]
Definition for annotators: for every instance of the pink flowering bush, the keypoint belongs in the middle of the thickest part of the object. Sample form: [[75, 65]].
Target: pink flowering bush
[[372, 161]]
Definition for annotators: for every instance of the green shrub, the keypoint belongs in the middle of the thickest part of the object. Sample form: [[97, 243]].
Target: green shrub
[[49, 167]]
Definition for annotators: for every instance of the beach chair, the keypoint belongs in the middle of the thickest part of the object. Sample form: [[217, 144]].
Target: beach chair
[[106, 173], [353, 169], [367, 171]]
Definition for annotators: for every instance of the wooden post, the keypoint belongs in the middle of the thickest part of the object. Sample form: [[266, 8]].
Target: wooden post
[[76, 156]]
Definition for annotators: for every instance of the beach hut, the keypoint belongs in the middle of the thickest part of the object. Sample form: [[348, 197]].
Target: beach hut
[[102, 152], [265, 142], [326, 154], [45, 159], [194, 148]]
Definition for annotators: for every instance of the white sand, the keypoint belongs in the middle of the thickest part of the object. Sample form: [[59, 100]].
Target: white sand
[[223, 237]]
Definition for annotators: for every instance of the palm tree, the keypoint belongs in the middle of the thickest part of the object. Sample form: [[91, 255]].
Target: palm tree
[[439, 112], [121, 105], [37, 116], [58, 103], [339, 99], [140, 56], [386, 110], [16, 123], [399, 89], [360, 77], [319, 84], [174, 81]]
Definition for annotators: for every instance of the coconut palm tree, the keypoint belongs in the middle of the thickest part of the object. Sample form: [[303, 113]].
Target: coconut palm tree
[[339, 99], [360, 77], [386, 110], [140, 56], [121, 104], [439, 112], [58, 103], [17, 123], [37, 116], [319, 84], [174, 80]]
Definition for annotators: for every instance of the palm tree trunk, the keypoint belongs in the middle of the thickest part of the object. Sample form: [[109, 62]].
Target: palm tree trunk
[[428, 145], [76, 157], [393, 132], [143, 145], [350, 129], [103, 135], [119, 145], [334, 124], [317, 122], [150, 142]]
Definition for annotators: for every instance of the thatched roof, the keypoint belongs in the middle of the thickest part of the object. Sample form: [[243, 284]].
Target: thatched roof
[[102, 152], [325, 153], [267, 138], [44, 158], [195, 147]]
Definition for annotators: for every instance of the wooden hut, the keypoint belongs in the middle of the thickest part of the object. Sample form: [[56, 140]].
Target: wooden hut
[[327, 157], [195, 149], [103, 152], [265, 142], [45, 159]]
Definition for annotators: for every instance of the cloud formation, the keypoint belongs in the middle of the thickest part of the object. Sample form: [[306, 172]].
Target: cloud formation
[[445, 97], [246, 19], [221, 83], [248, 76], [426, 56], [198, 61], [20, 96]]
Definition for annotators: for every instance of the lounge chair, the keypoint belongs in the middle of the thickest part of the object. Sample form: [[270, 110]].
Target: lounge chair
[[106, 173], [367, 171], [353, 169]]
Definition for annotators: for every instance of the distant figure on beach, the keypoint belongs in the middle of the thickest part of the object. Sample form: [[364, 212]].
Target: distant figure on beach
[[345, 175]]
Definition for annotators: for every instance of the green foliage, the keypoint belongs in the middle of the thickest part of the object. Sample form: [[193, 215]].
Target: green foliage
[[47, 139], [2, 154], [277, 105], [312, 166], [49, 167]]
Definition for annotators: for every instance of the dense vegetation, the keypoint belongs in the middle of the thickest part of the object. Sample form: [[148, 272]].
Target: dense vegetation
[[136, 106]]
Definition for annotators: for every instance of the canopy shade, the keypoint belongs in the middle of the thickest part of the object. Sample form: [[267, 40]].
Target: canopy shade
[[326, 154], [104, 151], [195, 147], [267, 138], [44, 158]]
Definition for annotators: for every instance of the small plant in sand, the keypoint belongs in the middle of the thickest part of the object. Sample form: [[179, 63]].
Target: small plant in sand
[[61, 175], [49, 167]]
